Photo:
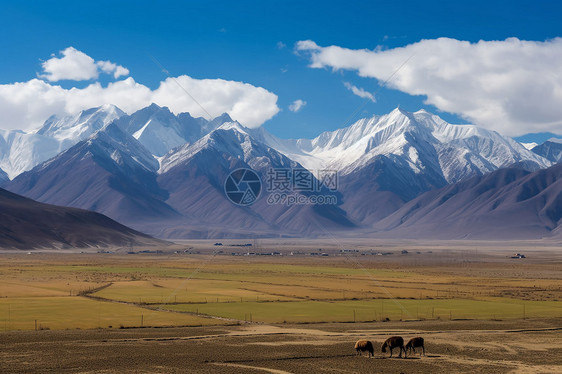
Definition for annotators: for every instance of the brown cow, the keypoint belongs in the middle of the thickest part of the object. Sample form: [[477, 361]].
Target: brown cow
[[364, 345], [415, 343], [394, 342]]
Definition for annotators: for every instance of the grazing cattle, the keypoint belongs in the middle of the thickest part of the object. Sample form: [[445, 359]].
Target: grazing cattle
[[365, 345], [394, 342], [415, 343]]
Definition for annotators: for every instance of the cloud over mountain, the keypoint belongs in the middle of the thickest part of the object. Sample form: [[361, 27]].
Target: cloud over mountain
[[26, 105], [297, 105], [359, 91], [511, 86], [78, 66]]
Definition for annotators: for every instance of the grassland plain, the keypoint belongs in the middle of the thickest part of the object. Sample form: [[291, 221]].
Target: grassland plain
[[71, 290], [375, 310], [509, 346], [59, 313]]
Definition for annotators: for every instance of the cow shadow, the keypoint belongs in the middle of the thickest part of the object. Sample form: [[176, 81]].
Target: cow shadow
[[397, 358]]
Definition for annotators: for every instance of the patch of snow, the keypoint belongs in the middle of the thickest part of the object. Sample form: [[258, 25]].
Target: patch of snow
[[555, 140], [529, 146], [138, 133]]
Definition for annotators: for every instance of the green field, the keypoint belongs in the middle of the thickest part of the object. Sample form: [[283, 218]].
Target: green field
[[58, 313], [376, 310], [93, 291]]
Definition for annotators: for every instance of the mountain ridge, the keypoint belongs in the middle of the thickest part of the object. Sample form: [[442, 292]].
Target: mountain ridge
[[164, 173], [349, 148], [551, 150], [27, 224], [508, 203], [111, 173], [20, 151]]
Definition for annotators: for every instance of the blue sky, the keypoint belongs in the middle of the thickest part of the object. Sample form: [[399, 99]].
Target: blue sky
[[254, 42]]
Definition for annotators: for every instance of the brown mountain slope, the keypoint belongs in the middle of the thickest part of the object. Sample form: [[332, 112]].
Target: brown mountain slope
[[28, 224], [505, 204]]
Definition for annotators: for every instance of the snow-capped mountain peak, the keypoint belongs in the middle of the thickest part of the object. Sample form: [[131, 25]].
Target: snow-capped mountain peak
[[382, 162], [423, 140], [234, 125], [113, 141], [159, 130], [21, 151], [155, 127], [73, 128], [230, 139]]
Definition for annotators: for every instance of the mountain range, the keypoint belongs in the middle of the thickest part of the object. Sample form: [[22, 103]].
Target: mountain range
[[110, 173], [385, 161], [164, 174], [21, 151], [509, 203]]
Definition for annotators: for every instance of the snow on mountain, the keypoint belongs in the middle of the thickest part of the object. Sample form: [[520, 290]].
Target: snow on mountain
[[69, 130], [154, 164], [110, 173], [385, 161], [232, 139], [423, 140], [156, 128], [159, 130], [21, 151], [529, 146], [194, 175], [123, 150]]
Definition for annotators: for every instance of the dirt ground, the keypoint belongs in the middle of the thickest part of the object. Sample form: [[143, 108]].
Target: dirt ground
[[457, 346], [515, 346]]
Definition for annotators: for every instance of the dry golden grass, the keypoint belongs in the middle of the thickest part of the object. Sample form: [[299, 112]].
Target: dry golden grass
[[93, 290], [159, 291]]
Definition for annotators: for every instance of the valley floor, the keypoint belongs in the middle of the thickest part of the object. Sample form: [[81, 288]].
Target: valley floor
[[287, 306], [530, 346]]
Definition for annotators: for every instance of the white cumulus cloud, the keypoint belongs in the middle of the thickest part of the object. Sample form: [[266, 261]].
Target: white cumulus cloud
[[512, 86], [359, 91], [78, 66], [297, 105], [249, 105], [109, 67], [26, 105]]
